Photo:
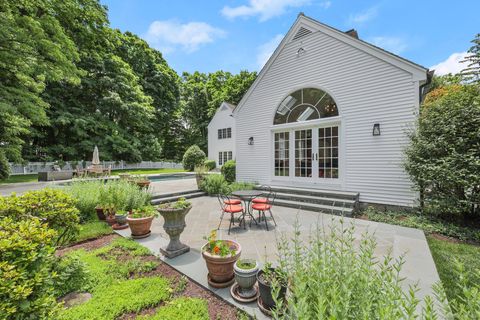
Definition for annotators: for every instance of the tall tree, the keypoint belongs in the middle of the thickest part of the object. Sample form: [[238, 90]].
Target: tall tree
[[34, 51], [472, 72]]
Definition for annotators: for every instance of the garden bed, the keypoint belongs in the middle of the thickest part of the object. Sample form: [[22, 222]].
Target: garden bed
[[127, 262]]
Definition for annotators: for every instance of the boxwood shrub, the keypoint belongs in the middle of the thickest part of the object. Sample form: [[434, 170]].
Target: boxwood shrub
[[194, 156], [228, 170], [210, 164]]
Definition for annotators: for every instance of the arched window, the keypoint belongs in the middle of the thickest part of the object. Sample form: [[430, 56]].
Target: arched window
[[304, 105]]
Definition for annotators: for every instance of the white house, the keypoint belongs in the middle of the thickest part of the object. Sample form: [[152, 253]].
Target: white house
[[332, 112], [221, 135]]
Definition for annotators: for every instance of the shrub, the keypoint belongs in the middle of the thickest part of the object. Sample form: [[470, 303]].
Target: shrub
[[55, 207], [442, 158], [123, 195], [241, 186], [210, 164], [70, 275], [193, 157], [330, 277], [26, 257], [228, 170], [87, 196], [214, 184], [4, 166], [181, 308]]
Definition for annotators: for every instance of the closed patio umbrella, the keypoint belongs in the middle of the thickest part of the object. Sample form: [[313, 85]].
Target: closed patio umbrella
[[96, 157]]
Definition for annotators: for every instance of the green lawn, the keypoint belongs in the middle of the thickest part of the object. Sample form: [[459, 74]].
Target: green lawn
[[34, 177], [444, 254]]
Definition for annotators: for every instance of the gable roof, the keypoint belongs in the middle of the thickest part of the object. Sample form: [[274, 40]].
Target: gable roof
[[229, 106], [303, 24]]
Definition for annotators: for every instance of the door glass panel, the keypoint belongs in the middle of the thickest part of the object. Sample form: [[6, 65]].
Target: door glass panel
[[328, 152], [303, 153], [282, 150]]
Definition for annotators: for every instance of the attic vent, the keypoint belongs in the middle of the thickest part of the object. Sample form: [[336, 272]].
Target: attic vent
[[223, 108], [302, 32]]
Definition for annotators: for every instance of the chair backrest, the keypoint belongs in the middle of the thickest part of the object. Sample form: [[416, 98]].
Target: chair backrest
[[265, 188], [221, 200]]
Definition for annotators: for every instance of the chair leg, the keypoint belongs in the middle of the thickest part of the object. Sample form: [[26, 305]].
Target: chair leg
[[265, 218], [271, 215], [221, 219], [230, 224]]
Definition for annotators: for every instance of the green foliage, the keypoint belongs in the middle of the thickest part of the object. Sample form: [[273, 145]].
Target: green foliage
[[26, 258], [181, 309], [472, 72], [55, 207], [229, 170], [332, 278], [210, 164], [427, 223], [241, 186], [92, 230], [217, 247], [447, 255], [193, 157], [4, 166], [466, 304], [87, 196], [214, 184], [123, 195], [144, 212], [181, 203], [130, 296], [443, 157], [71, 275]]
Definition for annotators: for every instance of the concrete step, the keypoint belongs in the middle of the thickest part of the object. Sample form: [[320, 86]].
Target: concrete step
[[347, 212], [338, 202], [176, 197], [317, 192], [172, 194]]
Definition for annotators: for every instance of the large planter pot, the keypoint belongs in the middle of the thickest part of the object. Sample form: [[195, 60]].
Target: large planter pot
[[266, 291], [246, 278], [220, 269], [143, 184], [140, 227], [100, 214], [174, 223]]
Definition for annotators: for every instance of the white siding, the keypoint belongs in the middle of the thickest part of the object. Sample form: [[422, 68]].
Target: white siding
[[221, 119], [366, 89]]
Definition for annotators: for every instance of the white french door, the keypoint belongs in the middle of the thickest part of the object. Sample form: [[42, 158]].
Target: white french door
[[307, 154]]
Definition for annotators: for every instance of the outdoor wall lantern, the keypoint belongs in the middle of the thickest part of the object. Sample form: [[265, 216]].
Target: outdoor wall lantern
[[250, 141], [376, 129], [300, 51]]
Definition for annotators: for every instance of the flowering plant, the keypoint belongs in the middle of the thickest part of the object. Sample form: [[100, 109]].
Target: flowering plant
[[220, 248]]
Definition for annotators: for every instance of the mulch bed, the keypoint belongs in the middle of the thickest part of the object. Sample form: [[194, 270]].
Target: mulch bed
[[217, 308]]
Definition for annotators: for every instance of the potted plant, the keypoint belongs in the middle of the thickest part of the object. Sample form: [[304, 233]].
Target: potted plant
[[121, 220], [246, 276], [100, 214], [174, 222], [140, 181], [200, 172], [140, 221], [220, 256], [109, 212], [267, 278]]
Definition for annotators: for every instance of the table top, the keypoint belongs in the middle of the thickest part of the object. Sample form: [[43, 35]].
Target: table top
[[247, 193]]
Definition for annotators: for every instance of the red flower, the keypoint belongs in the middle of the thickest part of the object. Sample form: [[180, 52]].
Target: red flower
[[216, 249]]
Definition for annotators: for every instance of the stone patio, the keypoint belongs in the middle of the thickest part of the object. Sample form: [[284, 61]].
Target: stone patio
[[258, 243]]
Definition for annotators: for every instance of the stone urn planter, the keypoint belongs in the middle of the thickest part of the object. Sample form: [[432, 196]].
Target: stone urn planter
[[100, 214], [220, 256], [264, 278], [140, 221], [246, 277], [174, 223]]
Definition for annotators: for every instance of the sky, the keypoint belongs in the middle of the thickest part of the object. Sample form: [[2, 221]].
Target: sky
[[234, 35]]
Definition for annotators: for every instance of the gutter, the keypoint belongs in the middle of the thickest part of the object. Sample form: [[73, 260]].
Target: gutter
[[422, 92]]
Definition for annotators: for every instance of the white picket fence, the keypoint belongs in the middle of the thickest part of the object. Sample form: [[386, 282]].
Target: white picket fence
[[35, 167]]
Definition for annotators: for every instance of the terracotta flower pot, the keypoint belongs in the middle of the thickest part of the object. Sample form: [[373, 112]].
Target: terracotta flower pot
[[143, 184], [174, 224], [110, 220], [220, 269], [100, 214], [140, 227], [266, 291]]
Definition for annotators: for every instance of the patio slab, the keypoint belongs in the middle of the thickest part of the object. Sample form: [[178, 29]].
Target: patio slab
[[260, 244]]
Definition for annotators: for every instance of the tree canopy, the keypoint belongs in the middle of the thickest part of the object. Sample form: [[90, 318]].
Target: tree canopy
[[69, 81]]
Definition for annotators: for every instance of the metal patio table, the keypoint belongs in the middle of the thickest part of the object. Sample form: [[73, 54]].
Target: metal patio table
[[247, 197]]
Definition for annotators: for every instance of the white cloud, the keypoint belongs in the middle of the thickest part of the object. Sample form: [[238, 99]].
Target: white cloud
[[170, 34], [266, 9], [451, 65], [363, 16], [265, 50], [392, 44], [325, 4]]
